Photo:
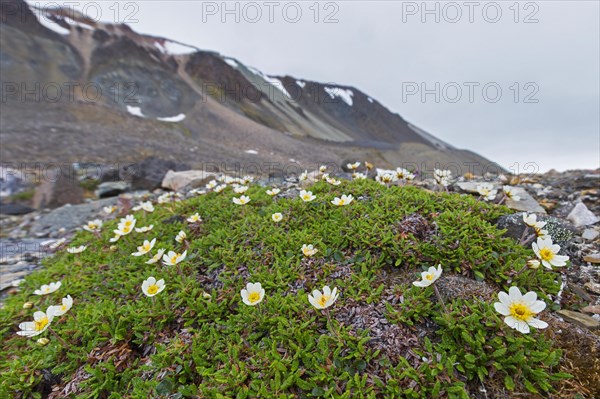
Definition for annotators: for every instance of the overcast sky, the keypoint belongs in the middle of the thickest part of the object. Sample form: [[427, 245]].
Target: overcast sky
[[542, 55]]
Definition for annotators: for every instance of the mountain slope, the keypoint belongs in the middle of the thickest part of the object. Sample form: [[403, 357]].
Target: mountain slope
[[81, 90]]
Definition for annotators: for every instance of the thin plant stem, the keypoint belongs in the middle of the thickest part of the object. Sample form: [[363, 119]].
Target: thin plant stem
[[62, 341], [439, 297], [521, 242]]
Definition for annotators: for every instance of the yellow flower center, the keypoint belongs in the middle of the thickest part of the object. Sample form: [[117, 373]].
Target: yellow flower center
[[47, 289], [174, 258], [341, 202], [253, 297], [153, 289], [146, 247], [323, 300], [429, 276], [520, 311], [546, 254], [41, 324], [63, 308]]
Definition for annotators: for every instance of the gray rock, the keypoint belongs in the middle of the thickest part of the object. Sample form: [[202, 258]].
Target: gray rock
[[69, 216], [149, 173], [582, 216], [526, 203], [590, 234], [580, 319], [15, 209], [111, 189], [59, 187], [187, 179], [560, 230]]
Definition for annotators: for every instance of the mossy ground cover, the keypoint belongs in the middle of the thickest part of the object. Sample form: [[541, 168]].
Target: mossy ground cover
[[383, 337]]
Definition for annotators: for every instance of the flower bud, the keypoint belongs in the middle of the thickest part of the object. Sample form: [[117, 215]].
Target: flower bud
[[43, 341], [27, 305], [533, 263]]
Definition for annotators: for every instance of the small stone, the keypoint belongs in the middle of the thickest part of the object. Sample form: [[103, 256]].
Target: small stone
[[582, 216], [592, 287], [187, 179], [593, 258], [580, 319], [590, 234], [595, 309], [111, 189]]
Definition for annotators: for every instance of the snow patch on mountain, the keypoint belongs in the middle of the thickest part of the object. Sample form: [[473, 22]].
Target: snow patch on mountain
[[135, 111], [301, 83], [345, 95], [231, 62], [271, 80], [53, 26], [176, 118]]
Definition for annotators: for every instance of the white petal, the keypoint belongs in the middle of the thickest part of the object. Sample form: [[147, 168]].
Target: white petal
[[530, 298], [501, 308], [327, 290], [504, 298], [514, 294], [537, 323], [538, 306]]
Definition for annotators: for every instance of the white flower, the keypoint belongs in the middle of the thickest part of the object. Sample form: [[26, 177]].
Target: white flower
[[353, 166], [344, 200], [243, 200], [303, 176], [156, 257], [273, 192], [385, 177], [533, 263], [531, 221], [220, 188], [247, 179], [309, 250], [547, 252], [147, 206], [520, 309], [59, 310], [116, 237], [253, 294], [48, 288], [211, 184], [145, 248], [510, 193], [93, 226], [307, 196], [144, 229], [151, 287], [442, 177], [333, 182], [403, 174], [322, 168], [240, 189], [195, 218], [41, 322], [181, 237], [429, 277], [125, 226], [277, 217], [109, 209], [173, 258], [76, 250], [359, 176], [323, 300], [487, 191]]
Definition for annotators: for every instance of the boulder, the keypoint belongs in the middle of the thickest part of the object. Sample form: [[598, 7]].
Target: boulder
[[580, 319], [149, 173], [560, 230], [111, 189], [582, 216], [58, 189], [14, 209], [186, 180], [525, 204]]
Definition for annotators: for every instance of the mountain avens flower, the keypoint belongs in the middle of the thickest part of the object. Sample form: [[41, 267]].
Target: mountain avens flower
[[429, 277], [156, 257], [173, 258], [144, 229], [547, 252], [353, 166], [76, 250], [145, 247], [240, 189], [93, 226], [181, 237], [59, 310], [531, 221], [41, 322], [307, 196], [195, 218], [273, 192], [344, 200], [243, 200], [151, 287], [277, 217], [325, 299], [520, 310], [510, 192], [48, 288], [253, 294], [309, 250], [487, 191]]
